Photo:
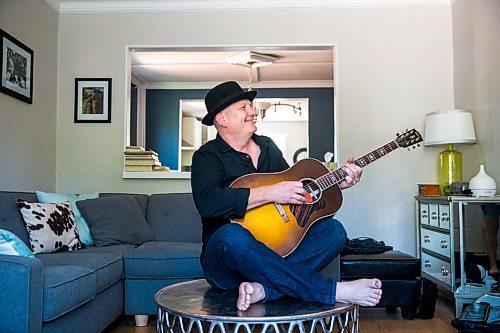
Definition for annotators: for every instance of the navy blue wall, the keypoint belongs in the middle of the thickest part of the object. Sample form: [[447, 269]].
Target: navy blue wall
[[133, 115], [162, 118]]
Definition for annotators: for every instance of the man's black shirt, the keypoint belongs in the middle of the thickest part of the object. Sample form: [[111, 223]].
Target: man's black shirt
[[215, 166]]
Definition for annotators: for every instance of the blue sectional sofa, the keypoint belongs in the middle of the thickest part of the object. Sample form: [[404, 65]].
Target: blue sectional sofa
[[87, 289]]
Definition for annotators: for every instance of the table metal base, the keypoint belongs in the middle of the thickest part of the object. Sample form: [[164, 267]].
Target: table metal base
[[196, 307]]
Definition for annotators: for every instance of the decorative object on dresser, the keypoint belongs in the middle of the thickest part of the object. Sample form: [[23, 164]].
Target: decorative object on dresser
[[428, 189], [482, 185], [449, 127]]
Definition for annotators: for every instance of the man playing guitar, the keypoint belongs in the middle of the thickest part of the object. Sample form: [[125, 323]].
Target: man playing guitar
[[232, 258]]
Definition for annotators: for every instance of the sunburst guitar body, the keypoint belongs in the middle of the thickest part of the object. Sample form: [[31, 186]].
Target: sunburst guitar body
[[281, 227]]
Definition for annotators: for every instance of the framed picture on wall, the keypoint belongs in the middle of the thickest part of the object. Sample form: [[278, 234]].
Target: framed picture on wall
[[16, 68], [92, 100]]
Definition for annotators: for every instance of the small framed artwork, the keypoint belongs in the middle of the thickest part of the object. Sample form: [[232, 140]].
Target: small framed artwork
[[16, 68], [92, 100]]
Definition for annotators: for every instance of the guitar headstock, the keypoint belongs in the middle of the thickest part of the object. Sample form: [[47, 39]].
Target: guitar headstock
[[408, 138]]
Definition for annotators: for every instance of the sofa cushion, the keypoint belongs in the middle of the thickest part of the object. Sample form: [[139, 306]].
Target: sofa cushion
[[108, 267], [10, 216], [10, 244], [173, 217], [142, 199], [83, 228], [116, 249], [65, 288], [51, 227], [162, 260], [116, 220]]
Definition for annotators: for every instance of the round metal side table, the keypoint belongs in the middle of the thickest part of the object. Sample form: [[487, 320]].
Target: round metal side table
[[196, 307]]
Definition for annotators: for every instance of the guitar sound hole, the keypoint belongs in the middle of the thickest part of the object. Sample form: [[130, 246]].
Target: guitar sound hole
[[313, 191]]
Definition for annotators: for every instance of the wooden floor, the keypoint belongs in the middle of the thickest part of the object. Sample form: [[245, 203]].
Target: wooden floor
[[371, 321]]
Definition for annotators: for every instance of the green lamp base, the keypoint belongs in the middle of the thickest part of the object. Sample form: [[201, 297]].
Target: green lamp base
[[450, 169]]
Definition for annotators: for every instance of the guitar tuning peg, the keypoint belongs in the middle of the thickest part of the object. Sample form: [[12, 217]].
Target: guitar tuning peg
[[397, 134], [418, 144]]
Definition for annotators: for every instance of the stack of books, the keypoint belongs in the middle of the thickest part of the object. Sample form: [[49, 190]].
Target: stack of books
[[137, 159]]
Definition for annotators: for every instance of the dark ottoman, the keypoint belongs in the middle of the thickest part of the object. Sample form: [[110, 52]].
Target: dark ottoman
[[398, 271]]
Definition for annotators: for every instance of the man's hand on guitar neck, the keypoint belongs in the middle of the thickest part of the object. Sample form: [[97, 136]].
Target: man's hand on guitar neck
[[353, 173]]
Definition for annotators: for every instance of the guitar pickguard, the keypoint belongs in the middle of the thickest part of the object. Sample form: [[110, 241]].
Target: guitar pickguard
[[303, 212]]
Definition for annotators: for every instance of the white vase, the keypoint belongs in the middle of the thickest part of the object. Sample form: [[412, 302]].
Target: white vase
[[482, 185]]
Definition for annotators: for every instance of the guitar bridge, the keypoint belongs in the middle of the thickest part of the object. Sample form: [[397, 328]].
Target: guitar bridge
[[282, 212]]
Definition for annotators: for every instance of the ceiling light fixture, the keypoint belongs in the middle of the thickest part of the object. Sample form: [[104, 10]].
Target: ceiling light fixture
[[253, 60]]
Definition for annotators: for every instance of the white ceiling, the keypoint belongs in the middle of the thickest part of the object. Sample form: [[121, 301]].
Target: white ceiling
[[178, 68]]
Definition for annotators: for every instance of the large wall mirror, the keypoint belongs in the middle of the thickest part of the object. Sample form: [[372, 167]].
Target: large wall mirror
[[295, 97]]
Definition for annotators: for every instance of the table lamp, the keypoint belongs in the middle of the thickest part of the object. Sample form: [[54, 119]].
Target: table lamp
[[449, 127]]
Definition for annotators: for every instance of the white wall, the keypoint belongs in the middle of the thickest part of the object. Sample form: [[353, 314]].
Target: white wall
[[394, 66], [476, 38], [476, 51], [28, 131], [294, 134]]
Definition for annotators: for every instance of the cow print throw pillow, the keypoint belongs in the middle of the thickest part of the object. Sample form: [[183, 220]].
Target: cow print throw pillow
[[51, 227]]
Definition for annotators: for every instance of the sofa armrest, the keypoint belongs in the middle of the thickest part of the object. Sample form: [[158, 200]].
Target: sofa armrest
[[21, 294]]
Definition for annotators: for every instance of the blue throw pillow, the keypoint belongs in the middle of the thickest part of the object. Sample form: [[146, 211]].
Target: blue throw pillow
[[10, 244], [83, 227]]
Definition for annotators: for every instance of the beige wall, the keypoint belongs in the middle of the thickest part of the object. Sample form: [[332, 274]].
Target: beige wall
[[395, 65], [476, 52], [476, 39], [28, 131]]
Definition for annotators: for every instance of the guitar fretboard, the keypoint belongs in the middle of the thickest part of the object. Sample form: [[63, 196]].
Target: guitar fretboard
[[337, 176]]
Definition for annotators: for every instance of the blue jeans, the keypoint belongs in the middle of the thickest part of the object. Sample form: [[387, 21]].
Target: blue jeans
[[232, 255]]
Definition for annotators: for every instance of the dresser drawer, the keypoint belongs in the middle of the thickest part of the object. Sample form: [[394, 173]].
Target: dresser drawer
[[436, 268], [424, 213], [434, 215], [436, 242], [444, 216]]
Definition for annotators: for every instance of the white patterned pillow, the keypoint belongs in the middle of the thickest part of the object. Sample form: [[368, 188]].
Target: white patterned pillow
[[51, 227]]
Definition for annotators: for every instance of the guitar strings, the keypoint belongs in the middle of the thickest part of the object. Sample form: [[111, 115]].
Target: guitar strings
[[337, 176]]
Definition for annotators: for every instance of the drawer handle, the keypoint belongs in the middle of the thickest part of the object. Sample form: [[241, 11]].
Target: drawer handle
[[444, 271], [427, 263], [434, 216], [445, 217], [444, 244], [424, 214], [427, 239]]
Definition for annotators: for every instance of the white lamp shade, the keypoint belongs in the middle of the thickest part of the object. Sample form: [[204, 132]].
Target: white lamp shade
[[449, 127]]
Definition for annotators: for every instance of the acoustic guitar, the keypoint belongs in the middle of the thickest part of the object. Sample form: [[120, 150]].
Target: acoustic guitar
[[282, 226]]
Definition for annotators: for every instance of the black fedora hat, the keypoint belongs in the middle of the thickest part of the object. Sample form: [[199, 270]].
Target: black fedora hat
[[223, 95]]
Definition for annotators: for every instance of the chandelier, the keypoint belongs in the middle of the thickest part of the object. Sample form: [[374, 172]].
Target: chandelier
[[263, 107]]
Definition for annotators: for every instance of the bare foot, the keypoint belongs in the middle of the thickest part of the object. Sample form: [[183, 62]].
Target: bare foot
[[249, 293], [255, 310], [366, 292]]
